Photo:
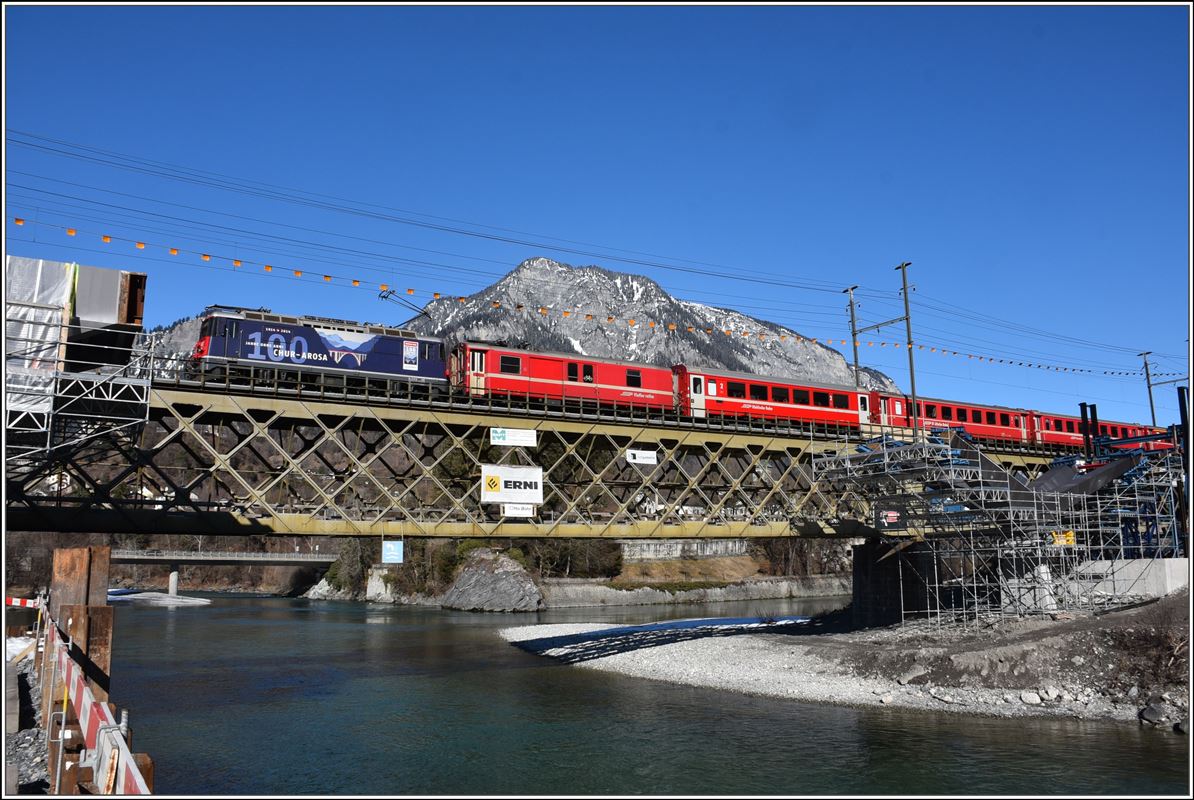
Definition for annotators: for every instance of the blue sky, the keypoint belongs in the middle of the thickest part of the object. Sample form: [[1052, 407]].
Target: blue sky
[[1031, 162]]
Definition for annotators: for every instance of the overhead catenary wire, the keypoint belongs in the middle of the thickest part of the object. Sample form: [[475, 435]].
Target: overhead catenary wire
[[229, 183], [595, 314]]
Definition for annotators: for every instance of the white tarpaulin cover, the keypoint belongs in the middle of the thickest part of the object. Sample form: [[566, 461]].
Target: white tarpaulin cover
[[37, 281], [37, 295]]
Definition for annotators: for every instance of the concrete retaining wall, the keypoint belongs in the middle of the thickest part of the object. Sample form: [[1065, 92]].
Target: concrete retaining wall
[[580, 593], [673, 549]]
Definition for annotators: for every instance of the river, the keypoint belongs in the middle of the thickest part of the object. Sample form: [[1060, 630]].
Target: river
[[257, 695]]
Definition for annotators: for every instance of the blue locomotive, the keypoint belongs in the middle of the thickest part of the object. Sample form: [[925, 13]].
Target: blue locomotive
[[235, 341]]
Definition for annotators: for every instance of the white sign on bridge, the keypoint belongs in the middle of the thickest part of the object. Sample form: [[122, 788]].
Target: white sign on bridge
[[500, 484], [513, 437], [642, 457]]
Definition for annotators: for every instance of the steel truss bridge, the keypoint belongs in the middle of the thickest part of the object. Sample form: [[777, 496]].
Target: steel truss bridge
[[237, 459]]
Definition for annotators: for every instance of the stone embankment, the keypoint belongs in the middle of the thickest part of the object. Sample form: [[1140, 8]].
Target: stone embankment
[[491, 581], [583, 592]]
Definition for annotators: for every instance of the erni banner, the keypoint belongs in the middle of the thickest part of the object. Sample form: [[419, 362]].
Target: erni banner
[[500, 484], [513, 437]]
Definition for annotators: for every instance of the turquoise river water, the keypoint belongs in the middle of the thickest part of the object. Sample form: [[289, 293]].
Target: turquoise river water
[[255, 695]]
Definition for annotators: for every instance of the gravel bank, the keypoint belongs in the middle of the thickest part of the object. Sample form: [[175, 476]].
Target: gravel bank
[[885, 667]]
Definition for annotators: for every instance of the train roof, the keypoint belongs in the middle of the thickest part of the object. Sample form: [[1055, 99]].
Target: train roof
[[265, 315]]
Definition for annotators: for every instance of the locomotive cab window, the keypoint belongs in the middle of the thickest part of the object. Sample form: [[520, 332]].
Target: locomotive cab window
[[735, 389], [511, 365], [634, 377], [758, 392], [779, 394], [573, 371], [821, 399], [841, 401]]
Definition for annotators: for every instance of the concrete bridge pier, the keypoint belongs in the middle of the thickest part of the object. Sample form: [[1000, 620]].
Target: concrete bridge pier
[[173, 580]]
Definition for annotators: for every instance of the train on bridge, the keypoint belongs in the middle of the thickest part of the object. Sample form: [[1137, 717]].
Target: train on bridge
[[235, 341]]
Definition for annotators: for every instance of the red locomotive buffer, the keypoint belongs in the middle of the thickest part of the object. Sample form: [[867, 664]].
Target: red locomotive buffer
[[481, 370]]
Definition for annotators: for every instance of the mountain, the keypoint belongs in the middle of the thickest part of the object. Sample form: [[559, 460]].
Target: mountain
[[172, 344], [542, 283]]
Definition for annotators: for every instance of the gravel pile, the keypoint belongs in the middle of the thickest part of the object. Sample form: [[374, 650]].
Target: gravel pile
[[810, 668], [26, 748]]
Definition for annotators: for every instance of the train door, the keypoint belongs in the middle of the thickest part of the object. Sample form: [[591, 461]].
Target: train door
[[697, 395], [864, 409], [476, 371]]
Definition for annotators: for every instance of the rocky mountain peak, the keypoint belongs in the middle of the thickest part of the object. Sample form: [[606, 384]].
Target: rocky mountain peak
[[546, 289]]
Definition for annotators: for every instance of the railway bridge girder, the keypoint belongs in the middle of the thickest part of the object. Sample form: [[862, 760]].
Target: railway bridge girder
[[226, 464]]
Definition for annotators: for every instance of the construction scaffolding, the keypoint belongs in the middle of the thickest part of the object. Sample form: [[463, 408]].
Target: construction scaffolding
[[963, 538], [76, 361]]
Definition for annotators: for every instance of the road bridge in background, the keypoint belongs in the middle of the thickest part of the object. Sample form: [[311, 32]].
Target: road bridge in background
[[222, 558]]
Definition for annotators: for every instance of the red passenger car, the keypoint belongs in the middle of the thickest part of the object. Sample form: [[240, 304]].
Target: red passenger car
[[711, 393], [989, 422], [1067, 431], [481, 369]]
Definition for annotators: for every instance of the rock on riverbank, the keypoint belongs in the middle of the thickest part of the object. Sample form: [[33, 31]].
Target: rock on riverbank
[[1128, 665], [491, 581]]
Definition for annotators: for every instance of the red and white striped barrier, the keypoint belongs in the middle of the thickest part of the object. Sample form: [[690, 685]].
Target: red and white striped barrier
[[113, 764], [22, 602]]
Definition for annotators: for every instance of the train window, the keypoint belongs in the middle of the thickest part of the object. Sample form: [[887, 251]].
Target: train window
[[821, 399], [1005, 420], [573, 371], [931, 410], [205, 328], [758, 392], [779, 394], [586, 373], [426, 350], [634, 377], [711, 387], [696, 385], [441, 351], [990, 417], [512, 365], [735, 389], [1069, 426], [841, 401], [947, 413], [961, 415], [800, 397]]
